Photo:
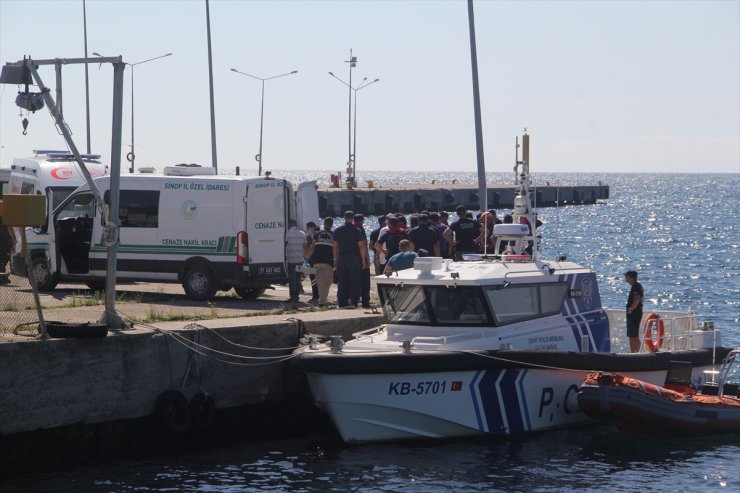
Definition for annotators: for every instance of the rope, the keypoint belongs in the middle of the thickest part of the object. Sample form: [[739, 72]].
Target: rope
[[202, 350]]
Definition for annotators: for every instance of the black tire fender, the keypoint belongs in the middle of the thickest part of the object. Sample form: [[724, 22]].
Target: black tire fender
[[172, 412], [202, 411]]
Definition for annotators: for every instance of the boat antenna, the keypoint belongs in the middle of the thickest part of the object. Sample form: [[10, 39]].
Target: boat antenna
[[524, 213]]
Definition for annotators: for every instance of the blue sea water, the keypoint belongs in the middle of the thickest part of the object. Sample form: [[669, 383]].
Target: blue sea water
[[681, 232]]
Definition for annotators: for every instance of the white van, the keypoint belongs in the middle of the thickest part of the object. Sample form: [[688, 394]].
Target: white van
[[54, 174], [16, 182], [207, 233]]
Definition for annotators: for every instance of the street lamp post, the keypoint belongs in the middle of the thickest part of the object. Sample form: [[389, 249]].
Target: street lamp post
[[258, 157], [352, 165], [131, 156]]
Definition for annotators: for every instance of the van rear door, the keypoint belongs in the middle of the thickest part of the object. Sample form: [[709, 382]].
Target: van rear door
[[266, 215], [307, 204]]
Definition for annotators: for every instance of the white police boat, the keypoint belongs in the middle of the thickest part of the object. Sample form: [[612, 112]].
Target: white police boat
[[493, 345]]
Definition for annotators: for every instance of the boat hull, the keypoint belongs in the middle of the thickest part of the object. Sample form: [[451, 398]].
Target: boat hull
[[508, 392]]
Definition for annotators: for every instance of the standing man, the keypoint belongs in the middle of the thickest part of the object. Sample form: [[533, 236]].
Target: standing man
[[462, 233], [295, 251], [634, 310], [7, 245], [349, 261], [374, 235], [424, 236], [310, 235], [365, 273], [321, 255]]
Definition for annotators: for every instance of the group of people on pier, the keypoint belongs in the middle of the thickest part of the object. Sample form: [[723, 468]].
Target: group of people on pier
[[346, 254]]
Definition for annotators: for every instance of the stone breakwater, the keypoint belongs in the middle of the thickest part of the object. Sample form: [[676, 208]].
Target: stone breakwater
[[433, 197]]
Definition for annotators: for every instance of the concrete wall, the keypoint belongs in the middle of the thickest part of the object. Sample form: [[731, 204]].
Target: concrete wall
[[407, 199], [58, 382]]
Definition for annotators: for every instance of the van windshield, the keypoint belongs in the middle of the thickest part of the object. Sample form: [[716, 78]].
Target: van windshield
[[81, 205], [58, 194]]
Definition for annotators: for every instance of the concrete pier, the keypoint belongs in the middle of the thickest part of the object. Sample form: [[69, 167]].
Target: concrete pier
[[62, 382], [437, 197]]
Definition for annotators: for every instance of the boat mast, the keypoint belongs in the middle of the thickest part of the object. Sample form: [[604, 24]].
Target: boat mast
[[482, 189], [523, 211]]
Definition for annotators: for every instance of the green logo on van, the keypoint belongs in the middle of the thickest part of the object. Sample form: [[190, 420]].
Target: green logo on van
[[189, 209]]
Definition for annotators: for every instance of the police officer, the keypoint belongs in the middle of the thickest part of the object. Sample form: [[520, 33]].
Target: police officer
[[350, 258]]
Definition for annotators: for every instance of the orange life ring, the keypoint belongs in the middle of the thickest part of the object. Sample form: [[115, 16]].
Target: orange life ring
[[651, 345]]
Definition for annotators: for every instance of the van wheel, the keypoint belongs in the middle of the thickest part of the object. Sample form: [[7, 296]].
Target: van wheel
[[199, 283], [45, 280], [95, 285], [249, 293]]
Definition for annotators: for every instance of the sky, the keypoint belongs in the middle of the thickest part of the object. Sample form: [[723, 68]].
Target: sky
[[601, 86]]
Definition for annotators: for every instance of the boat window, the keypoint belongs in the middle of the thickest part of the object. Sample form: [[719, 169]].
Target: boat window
[[516, 303], [458, 305], [404, 304], [137, 208], [434, 305]]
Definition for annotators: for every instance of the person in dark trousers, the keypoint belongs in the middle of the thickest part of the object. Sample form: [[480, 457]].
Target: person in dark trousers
[[462, 233], [424, 236], [365, 273], [321, 256], [634, 310], [310, 235], [349, 260], [374, 235]]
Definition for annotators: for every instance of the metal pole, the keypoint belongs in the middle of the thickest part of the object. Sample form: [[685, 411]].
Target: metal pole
[[350, 161], [482, 193], [258, 157], [210, 80], [262, 119], [111, 229], [87, 81], [354, 138], [132, 156]]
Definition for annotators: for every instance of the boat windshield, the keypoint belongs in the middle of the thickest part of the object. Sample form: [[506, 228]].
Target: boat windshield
[[471, 305], [460, 305]]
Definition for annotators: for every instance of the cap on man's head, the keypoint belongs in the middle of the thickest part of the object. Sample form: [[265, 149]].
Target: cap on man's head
[[359, 217], [393, 220], [349, 215], [631, 273], [423, 217], [460, 209]]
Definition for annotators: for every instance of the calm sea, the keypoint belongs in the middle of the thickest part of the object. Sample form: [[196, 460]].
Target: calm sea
[[681, 232]]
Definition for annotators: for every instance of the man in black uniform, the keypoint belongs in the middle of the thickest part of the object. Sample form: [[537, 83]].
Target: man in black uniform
[[634, 310], [462, 233], [321, 256], [359, 223], [424, 236], [349, 260]]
